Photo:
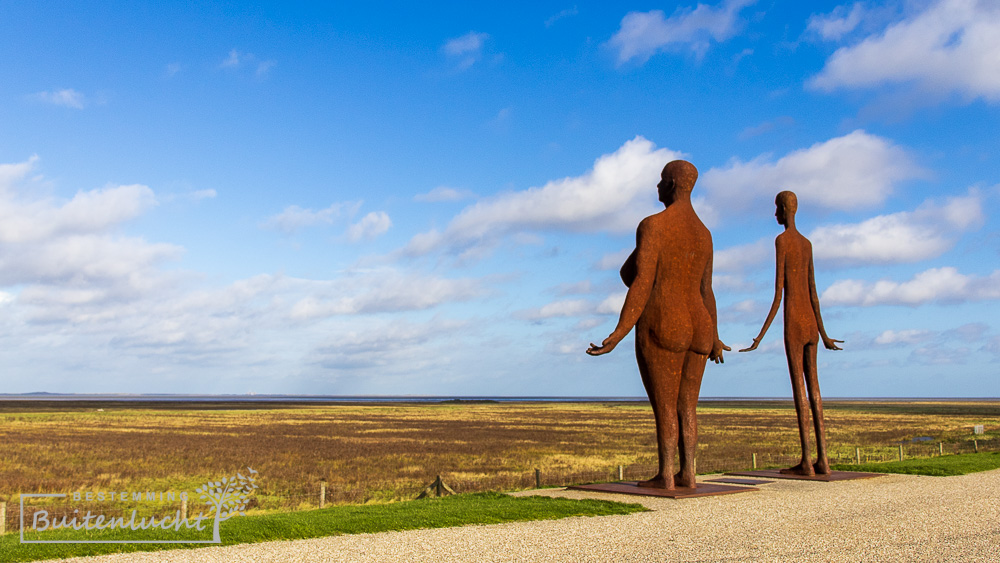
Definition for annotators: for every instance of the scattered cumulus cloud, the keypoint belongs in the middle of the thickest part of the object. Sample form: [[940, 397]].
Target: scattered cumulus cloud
[[857, 170], [907, 336], [370, 226], [466, 50], [614, 260], [568, 12], [443, 193], [907, 236], [744, 256], [618, 191], [837, 23], [67, 97], [951, 47], [936, 285], [643, 34], [295, 218]]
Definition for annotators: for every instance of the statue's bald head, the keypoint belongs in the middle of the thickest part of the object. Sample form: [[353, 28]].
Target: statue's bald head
[[788, 201], [683, 174]]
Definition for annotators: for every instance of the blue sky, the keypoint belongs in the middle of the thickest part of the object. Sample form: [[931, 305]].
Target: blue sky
[[409, 199]]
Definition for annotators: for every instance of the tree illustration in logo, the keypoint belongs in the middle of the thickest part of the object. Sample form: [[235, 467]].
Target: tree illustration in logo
[[229, 497]]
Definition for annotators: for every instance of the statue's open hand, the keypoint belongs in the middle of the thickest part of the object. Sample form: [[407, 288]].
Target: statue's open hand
[[605, 347], [753, 346], [716, 355], [831, 344]]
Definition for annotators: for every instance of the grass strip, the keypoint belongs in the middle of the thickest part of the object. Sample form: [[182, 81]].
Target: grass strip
[[941, 466], [457, 510]]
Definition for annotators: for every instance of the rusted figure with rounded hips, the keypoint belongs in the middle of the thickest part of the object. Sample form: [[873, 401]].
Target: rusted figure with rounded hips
[[671, 305], [803, 328]]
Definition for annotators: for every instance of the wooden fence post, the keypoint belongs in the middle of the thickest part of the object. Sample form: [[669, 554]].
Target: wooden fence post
[[857, 455], [322, 493], [753, 459], [184, 509], [975, 444], [621, 473], [3, 518], [940, 448], [901, 452], [538, 478]]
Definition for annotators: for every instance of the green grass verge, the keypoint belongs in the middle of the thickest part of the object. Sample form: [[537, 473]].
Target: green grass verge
[[458, 510], [941, 466]]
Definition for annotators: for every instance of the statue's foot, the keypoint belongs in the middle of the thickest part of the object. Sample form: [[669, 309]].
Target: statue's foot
[[658, 482], [822, 467], [684, 480], [804, 468]]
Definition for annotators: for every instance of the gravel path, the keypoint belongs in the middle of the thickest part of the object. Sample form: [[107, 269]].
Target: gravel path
[[891, 518]]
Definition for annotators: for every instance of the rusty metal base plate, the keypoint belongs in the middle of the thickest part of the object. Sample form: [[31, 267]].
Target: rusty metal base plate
[[733, 481], [632, 488], [833, 476]]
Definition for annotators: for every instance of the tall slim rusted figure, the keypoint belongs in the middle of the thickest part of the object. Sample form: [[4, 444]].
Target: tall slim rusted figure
[[671, 305], [803, 327]]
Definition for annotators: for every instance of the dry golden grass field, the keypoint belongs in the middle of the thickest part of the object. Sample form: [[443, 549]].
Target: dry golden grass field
[[374, 452]]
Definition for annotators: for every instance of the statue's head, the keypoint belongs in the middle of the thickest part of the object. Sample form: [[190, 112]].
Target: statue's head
[[786, 204], [677, 176]]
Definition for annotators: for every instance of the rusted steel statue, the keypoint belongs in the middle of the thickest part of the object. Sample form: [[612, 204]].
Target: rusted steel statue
[[671, 305], [803, 328]]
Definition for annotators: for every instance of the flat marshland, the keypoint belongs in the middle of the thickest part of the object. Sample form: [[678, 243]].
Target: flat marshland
[[376, 452]]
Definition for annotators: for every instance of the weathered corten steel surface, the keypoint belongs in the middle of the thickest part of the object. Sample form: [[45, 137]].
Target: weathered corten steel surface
[[831, 476], [733, 481], [635, 488], [795, 278], [672, 307]]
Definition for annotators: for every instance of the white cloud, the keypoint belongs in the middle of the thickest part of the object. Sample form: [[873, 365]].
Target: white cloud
[[907, 336], [68, 97], [951, 47], [466, 50], [837, 23], [643, 34], [563, 308], [615, 260], [612, 305], [739, 258], [443, 193], [264, 67], [906, 236], [562, 14], [11, 174], [942, 285], [855, 171], [613, 196], [380, 292], [203, 194], [294, 218], [370, 226], [233, 60]]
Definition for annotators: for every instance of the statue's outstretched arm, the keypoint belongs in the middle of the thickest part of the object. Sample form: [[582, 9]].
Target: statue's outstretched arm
[[830, 343], [708, 296], [779, 286], [646, 256]]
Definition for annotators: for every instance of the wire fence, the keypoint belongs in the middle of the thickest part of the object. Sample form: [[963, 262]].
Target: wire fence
[[328, 494]]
